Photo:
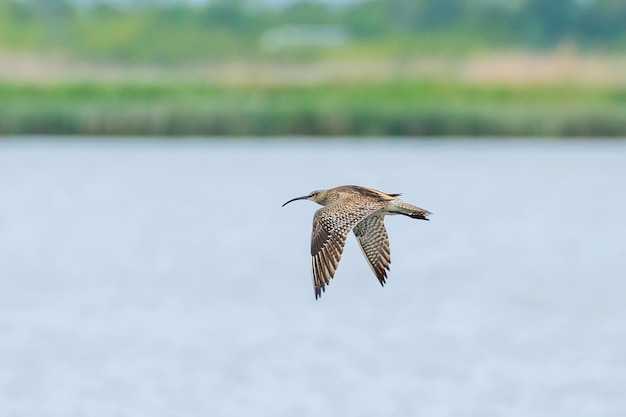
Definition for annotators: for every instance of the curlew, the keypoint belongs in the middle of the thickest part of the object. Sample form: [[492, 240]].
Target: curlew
[[361, 209]]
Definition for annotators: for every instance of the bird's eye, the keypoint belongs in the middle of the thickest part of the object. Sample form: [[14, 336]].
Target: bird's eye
[[313, 194]]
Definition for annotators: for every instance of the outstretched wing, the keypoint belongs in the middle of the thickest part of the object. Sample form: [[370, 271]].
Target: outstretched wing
[[372, 236], [331, 225]]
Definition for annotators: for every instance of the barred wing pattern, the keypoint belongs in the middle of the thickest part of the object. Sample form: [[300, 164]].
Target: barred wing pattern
[[331, 225], [372, 236]]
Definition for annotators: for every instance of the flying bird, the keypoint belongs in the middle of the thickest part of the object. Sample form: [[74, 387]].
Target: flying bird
[[362, 210]]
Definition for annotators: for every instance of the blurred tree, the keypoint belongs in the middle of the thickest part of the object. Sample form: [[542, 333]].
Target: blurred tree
[[367, 19], [548, 22], [601, 21], [225, 13], [55, 14], [308, 12], [404, 14], [437, 14], [17, 11], [169, 31]]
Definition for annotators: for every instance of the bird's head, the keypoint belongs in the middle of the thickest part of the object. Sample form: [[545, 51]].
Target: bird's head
[[321, 197]]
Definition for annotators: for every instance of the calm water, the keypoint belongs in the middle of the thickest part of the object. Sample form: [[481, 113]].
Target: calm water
[[162, 278]]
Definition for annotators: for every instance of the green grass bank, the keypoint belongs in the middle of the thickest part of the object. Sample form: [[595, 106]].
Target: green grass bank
[[412, 108]]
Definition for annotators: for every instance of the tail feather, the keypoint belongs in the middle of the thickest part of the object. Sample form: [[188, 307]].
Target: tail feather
[[410, 210]]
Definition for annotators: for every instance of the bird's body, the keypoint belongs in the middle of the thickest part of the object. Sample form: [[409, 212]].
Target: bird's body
[[361, 209]]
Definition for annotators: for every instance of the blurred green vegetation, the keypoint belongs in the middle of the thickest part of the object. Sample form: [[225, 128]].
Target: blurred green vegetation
[[389, 108], [175, 32], [174, 35]]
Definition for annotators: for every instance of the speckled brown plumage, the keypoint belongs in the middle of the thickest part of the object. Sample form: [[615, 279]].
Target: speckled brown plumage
[[361, 209]]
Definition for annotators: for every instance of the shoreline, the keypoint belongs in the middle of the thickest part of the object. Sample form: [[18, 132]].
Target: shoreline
[[392, 108]]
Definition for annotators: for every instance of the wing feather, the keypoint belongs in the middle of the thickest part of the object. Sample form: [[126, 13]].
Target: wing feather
[[331, 225], [374, 242]]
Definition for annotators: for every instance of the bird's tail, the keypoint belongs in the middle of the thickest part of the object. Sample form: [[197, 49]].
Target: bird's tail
[[414, 212]]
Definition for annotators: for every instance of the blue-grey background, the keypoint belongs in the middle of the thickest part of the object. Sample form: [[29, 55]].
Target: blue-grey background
[[162, 278]]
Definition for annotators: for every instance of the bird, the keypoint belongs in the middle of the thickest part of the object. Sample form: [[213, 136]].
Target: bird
[[362, 210]]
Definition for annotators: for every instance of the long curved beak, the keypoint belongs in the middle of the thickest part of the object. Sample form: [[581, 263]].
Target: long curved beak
[[304, 197]]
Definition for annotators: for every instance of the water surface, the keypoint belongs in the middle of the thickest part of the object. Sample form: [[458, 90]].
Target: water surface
[[162, 278]]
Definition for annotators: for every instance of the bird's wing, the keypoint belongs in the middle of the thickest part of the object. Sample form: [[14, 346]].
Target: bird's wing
[[372, 236], [331, 225]]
